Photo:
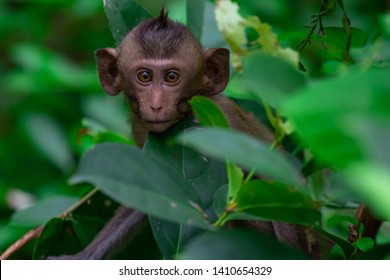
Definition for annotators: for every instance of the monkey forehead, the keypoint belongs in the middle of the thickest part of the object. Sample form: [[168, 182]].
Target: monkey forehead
[[131, 50], [163, 64]]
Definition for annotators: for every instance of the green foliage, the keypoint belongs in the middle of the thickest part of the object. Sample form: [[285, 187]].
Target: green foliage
[[243, 150], [224, 245], [124, 173], [276, 202], [37, 215], [331, 112], [336, 138], [207, 113], [280, 79], [123, 16]]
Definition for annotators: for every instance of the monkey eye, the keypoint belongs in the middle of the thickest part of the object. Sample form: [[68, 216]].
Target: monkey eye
[[144, 76], [171, 77]]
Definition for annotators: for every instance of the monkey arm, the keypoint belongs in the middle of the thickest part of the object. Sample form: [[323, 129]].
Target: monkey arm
[[115, 234]]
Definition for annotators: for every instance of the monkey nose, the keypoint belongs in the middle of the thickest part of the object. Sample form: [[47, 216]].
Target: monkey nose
[[156, 108]]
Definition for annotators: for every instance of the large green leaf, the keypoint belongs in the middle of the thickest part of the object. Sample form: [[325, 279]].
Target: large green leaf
[[276, 201], [43, 211], [209, 114], [211, 36], [123, 15], [323, 113], [244, 150], [336, 39], [372, 183], [195, 11], [372, 136], [266, 77], [203, 174], [238, 245], [142, 181]]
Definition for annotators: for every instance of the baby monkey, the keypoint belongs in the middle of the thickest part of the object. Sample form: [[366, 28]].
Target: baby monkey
[[159, 66]]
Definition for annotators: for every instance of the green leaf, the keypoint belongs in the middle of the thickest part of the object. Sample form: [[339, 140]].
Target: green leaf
[[167, 236], [48, 138], [195, 11], [347, 248], [365, 244], [371, 182], [276, 201], [238, 245], [381, 252], [337, 219], [372, 135], [44, 71], [220, 199], [86, 227], [211, 36], [57, 238], [111, 137], [112, 118], [95, 133], [171, 237], [336, 253], [142, 181], [123, 15], [219, 205], [244, 150], [336, 39], [267, 78], [205, 175], [42, 212], [207, 112], [323, 113], [46, 240], [236, 179]]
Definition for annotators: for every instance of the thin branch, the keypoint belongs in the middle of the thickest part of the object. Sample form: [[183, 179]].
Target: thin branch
[[316, 21], [32, 234], [36, 233]]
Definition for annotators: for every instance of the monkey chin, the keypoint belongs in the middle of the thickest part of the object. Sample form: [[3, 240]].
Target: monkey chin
[[158, 126]]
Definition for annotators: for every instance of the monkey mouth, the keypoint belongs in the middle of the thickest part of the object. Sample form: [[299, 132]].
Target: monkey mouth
[[157, 122], [159, 125]]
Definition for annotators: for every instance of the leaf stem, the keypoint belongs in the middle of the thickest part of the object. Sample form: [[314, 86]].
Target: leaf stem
[[222, 220]]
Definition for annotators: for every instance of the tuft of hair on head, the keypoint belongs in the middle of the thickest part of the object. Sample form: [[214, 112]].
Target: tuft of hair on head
[[163, 18], [160, 23], [160, 37]]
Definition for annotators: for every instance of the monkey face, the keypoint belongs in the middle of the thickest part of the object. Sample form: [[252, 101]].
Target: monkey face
[[158, 90], [158, 87]]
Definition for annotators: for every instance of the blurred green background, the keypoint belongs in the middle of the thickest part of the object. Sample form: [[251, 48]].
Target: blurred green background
[[50, 90]]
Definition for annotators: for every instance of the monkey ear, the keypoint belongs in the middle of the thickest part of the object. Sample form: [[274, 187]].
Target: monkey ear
[[108, 70], [217, 70]]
